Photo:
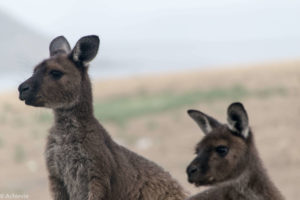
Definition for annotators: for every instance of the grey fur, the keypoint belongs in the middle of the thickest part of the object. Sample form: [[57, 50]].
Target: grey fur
[[84, 163], [236, 175]]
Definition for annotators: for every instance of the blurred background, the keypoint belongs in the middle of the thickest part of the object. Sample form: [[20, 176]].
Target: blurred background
[[156, 60]]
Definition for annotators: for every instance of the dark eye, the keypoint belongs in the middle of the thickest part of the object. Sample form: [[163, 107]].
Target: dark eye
[[222, 150], [56, 74]]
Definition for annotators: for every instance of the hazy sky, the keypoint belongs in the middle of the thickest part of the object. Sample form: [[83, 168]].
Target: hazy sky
[[159, 35], [208, 20]]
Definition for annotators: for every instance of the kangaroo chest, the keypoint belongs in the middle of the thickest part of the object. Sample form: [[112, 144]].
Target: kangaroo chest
[[67, 161]]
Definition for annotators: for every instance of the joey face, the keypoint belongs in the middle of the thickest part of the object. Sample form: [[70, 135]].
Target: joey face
[[56, 82], [222, 154], [219, 157]]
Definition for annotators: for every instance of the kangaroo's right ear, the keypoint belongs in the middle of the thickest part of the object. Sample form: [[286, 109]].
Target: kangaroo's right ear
[[59, 45], [238, 119], [205, 122], [86, 49]]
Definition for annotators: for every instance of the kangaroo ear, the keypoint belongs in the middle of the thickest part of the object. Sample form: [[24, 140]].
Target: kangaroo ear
[[59, 45], [238, 119], [86, 49], [205, 122]]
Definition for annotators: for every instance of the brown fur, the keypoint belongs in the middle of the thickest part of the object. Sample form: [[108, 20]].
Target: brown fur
[[228, 161], [82, 159]]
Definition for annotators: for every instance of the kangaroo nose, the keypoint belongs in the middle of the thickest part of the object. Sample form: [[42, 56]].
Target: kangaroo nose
[[192, 169], [23, 90]]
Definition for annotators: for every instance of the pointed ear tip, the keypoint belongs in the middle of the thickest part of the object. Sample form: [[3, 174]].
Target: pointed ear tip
[[90, 39], [95, 38], [59, 38], [236, 104], [191, 111]]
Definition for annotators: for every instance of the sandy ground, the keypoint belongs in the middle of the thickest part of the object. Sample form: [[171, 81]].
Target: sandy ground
[[167, 137]]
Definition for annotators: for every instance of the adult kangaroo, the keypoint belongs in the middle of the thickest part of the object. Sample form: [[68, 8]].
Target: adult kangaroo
[[228, 161], [83, 162]]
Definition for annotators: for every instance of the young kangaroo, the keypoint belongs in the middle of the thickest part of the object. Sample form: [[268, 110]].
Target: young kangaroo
[[83, 162], [227, 159]]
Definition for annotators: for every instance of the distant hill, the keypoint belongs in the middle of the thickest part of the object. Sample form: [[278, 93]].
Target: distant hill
[[143, 49], [21, 48]]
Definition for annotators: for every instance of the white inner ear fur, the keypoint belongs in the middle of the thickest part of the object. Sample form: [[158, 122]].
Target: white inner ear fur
[[66, 47], [231, 126], [245, 132], [207, 125], [76, 53]]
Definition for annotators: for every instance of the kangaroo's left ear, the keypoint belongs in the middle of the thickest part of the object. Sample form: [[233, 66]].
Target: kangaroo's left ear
[[59, 45], [205, 122], [238, 119], [86, 49]]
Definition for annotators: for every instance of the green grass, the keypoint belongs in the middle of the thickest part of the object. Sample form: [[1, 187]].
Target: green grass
[[119, 110], [265, 93]]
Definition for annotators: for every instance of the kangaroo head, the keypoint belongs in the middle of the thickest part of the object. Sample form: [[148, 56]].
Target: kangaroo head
[[57, 81], [222, 154]]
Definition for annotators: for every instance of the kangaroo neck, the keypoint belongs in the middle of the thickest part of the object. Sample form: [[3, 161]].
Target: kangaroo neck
[[82, 111]]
